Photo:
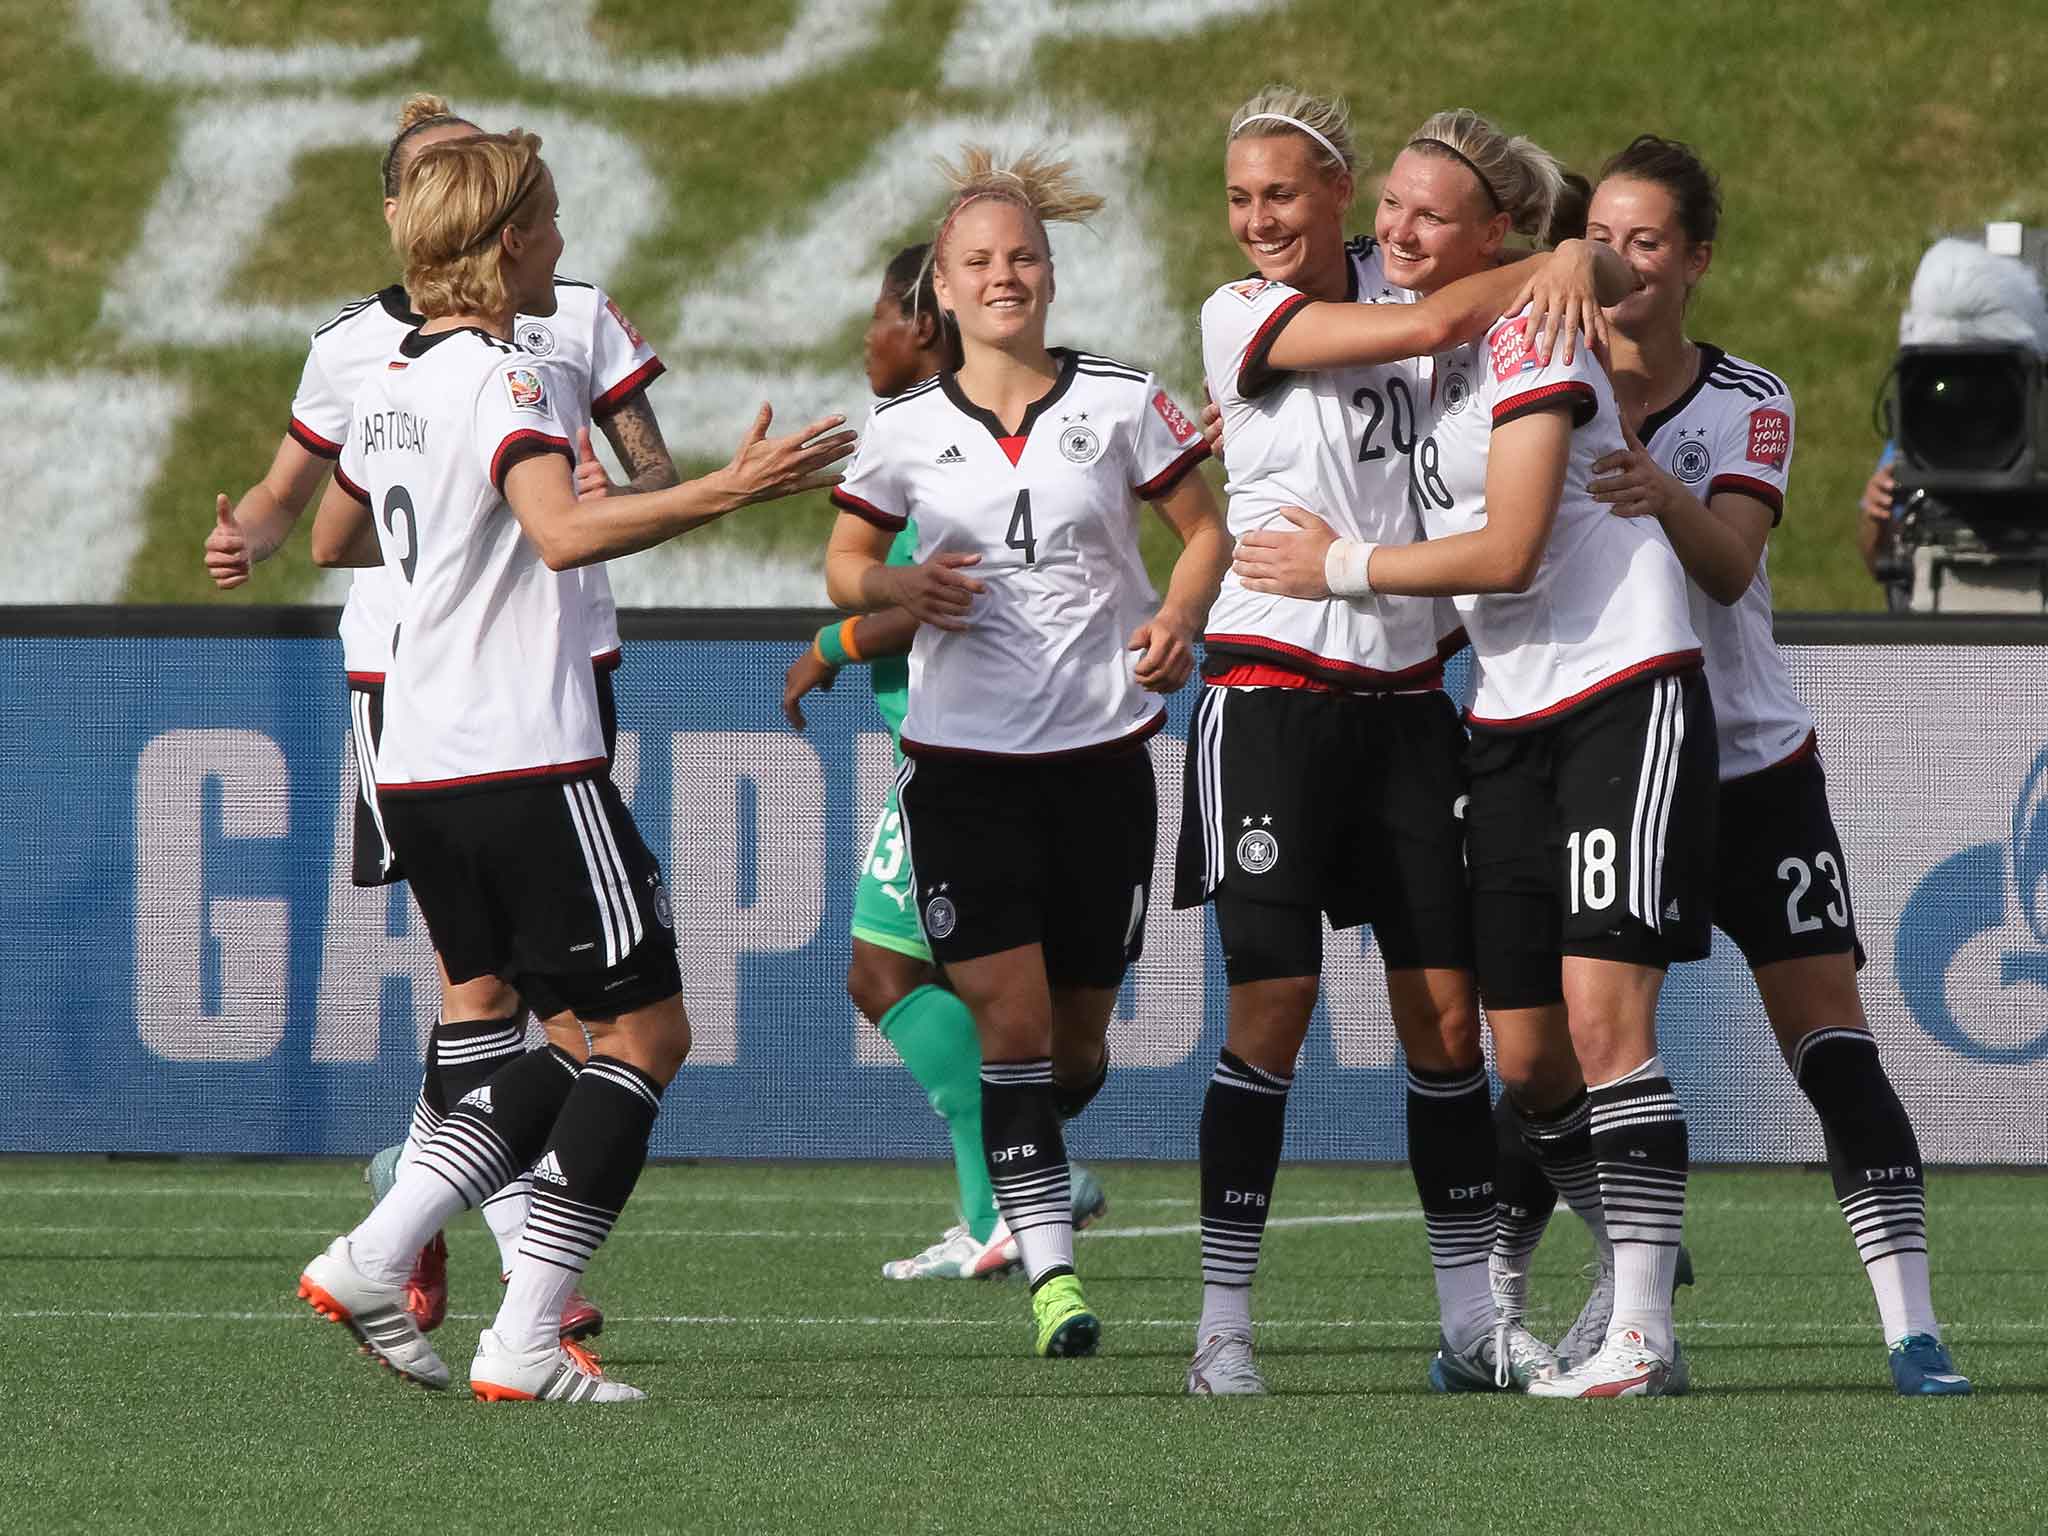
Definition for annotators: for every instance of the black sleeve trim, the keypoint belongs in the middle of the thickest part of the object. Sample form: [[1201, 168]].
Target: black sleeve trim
[[350, 486], [1574, 394], [608, 402], [312, 441], [1254, 376], [526, 445], [846, 501], [1756, 490], [1163, 482]]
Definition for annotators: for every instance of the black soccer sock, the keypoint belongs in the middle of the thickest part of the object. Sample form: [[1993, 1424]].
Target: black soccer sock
[[580, 1185], [460, 1057], [1561, 1140], [1027, 1164], [1874, 1158], [492, 1132], [1244, 1122], [1451, 1154], [1639, 1143], [1068, 1101], [1523, 1200]]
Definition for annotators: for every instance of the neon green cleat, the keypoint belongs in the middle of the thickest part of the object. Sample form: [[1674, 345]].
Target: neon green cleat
[[1067, 1330]]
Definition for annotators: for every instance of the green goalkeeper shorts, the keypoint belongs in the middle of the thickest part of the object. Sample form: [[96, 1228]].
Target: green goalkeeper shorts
[[884, 906]]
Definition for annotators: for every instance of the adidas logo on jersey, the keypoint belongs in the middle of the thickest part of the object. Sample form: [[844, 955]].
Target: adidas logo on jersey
[[549, 1170], [953, 455], [478, 1098]]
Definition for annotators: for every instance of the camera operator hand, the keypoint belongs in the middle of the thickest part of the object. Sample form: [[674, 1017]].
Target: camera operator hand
[[1874, 528]]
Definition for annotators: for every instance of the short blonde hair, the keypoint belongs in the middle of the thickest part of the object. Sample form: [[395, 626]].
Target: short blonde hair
[[1519, 177], [1322, 122], [454, 200], [1045, 188]]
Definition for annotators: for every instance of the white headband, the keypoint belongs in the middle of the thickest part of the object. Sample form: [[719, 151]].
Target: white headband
[[1336, 154]]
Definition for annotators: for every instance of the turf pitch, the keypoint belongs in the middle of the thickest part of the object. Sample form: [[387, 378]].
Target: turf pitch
[[161, 1376]]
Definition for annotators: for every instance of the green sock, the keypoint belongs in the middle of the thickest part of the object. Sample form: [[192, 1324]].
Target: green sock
[[934, 1034]]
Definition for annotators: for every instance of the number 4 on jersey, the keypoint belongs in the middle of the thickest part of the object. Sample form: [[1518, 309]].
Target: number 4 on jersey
[[1019, 536]]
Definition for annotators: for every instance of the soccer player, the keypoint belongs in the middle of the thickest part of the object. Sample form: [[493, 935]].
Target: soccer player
[[891, 978], [1709, 463], [492, 775], [1026, 791], [1592, 762], [1325, 778], [582, 332]]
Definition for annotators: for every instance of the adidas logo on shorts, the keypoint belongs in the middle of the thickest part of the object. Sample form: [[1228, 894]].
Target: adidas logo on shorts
[[953, 455], [549, 1170]]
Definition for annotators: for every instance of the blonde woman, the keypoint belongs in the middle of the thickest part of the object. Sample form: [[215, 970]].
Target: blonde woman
[[492, 774], [1026, 791]]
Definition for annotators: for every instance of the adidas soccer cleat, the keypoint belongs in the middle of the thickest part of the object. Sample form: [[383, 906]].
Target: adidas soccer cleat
[[1066, 1329], [1921, 1368], [1224, 1367], [1588, 1334], [1090, 1203], [561, 1373], [957, 1256], [1506, 1360], [1625, 1366], [375, 1313]]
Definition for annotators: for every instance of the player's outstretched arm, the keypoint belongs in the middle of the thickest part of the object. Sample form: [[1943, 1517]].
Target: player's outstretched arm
[[569, 533], [249, 532], [1168, 638]]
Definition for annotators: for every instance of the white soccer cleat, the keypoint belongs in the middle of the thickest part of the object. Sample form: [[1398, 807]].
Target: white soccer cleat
[[373, 1312], [1506, 1359], [1625, 1366], [1224, 1367], [1588, 1333], [957, 1256], [558, 1373]]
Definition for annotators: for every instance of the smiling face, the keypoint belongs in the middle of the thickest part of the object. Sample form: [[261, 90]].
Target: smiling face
[[1287, 211], [995, 273], [1435, 223], [1640, 219]]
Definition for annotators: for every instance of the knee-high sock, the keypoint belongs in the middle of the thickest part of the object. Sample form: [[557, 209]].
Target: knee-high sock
[[581, 1182], [505, 1214], [485, 1138], [1562, 1143], [461, 1057], [1639, 1142], [1874, 1158], [1244, 1122], [1451, 1154], [1523, 1199], [933, 1032], [1027, 1164]]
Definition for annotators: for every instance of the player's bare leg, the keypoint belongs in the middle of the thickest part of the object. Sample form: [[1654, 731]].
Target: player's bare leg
[[1873, 1154]]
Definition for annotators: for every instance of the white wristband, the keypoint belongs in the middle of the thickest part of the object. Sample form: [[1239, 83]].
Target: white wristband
[[1344, 567]]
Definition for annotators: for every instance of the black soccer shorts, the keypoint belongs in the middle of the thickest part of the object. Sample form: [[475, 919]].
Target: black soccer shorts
[[1781, 885], [546, 885], [1593, 835], [1008, 851], [1300, 803]]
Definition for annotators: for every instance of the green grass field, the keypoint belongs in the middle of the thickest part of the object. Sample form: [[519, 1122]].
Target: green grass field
[[162, 1378], [1847, 136]]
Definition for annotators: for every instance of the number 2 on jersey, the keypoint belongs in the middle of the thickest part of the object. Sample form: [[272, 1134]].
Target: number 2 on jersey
[[1019, 536], [397, 509]]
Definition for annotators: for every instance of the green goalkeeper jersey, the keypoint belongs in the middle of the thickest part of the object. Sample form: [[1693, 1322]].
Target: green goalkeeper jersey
[[891, 674]]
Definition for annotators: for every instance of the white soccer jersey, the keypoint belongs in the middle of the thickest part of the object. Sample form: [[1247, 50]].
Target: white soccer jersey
[[1052, 510], [1608, 603], [1337, 443], [587, 339], [490, 678], [1732, 431]]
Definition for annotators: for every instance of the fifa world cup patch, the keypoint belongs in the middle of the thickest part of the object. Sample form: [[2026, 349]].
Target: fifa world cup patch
[[1510, 350], [612, 308], [526, 389], [1175, 418], [1770, 437]]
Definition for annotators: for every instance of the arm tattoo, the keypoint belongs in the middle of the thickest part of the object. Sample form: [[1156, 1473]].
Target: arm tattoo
[[635, 437]]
